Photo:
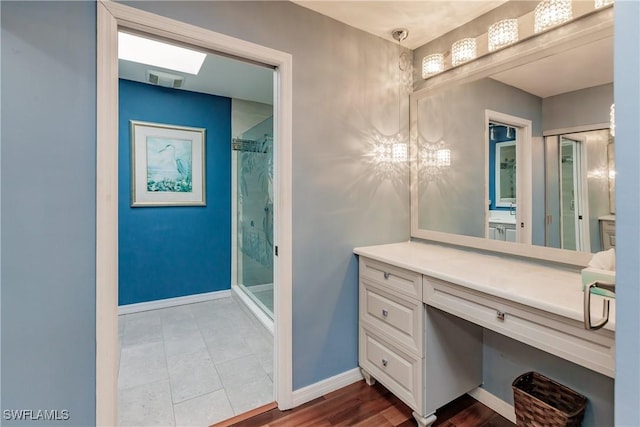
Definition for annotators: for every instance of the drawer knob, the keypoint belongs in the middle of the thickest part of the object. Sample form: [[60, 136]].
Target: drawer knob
[[386, 275], [500, 315], [384, 362], [385, 313]]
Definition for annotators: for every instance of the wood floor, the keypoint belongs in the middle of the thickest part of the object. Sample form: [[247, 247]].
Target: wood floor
[[361, 405]]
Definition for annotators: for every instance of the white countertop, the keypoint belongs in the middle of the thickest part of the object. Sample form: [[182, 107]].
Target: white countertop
[[501, 217], [546, 287], [607, 218]]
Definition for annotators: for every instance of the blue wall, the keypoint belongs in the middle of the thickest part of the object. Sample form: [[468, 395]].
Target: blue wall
[[500, 136], [48, 185], [627, 99], [167, 252]]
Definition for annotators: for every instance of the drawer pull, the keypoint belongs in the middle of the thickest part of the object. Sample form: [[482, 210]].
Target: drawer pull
[[385, 313], [500, 315], [386, 275], [384, 362]]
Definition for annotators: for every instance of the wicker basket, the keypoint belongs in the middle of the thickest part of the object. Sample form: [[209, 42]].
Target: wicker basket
[[542, 402]]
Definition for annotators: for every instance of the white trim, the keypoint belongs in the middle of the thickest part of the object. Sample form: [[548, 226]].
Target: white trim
[[259, 288], [172, 302], [576, 129], [313, 391], [494, 402], [255, 310], [524, 162], [111, 16]]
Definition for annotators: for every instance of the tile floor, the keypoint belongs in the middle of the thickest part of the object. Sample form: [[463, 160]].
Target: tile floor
[[192, 365]]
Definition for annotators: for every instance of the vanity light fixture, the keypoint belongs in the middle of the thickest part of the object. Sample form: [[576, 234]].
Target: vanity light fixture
[[549, 13], [463, 50], [443, 158], [159, 54], [432, 64], [612, 120], [399, 152], [502, 33], [603, 3]]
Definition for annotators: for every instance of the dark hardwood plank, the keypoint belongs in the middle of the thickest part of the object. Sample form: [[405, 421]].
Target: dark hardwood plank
[[361, 405]]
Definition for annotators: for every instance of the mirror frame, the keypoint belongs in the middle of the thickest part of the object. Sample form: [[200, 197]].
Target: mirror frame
[[583, 30]]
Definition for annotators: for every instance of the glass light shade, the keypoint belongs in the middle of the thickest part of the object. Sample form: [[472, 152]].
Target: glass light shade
[[612, 120], [432, 64], [462, 51], [549, 13], [443, 158], [399, 153], [503, 33], [603, 3]]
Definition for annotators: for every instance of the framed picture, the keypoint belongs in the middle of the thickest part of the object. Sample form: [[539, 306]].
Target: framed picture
[[167, 165]]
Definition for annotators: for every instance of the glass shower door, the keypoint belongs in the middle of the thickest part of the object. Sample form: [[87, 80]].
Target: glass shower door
[[255, 214]]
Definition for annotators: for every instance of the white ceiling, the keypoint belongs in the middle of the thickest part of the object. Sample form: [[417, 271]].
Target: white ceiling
[[586, 66], [426, 20], [219, 75]]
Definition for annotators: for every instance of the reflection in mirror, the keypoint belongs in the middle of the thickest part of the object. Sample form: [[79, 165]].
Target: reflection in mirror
[[502, 182], [560, 95], [578, 189]]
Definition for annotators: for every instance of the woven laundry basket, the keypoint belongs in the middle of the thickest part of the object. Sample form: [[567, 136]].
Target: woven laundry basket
[[542, 402]]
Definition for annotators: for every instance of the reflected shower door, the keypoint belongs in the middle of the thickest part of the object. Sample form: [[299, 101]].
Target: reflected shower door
[[571, 209]]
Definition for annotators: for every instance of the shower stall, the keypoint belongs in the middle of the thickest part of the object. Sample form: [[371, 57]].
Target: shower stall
[[254, 217]]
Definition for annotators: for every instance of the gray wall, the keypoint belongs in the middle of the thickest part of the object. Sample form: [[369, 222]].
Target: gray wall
[[454, 201], [48, 208], [578, 108], [627, 96]]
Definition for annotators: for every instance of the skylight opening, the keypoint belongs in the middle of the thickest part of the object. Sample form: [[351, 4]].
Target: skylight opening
[[159, 54]]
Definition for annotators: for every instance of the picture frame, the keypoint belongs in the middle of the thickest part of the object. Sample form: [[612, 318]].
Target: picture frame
[[167, 165]]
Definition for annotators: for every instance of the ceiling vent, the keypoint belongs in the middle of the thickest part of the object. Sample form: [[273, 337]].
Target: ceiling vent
[[161, 78]]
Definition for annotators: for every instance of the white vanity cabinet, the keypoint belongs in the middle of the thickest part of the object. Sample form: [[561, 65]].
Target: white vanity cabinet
[[423, 309], [502, 231], [608, 232], [425, 358]]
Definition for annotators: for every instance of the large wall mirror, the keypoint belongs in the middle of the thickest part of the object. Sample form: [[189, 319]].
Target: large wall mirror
[[514, 153]]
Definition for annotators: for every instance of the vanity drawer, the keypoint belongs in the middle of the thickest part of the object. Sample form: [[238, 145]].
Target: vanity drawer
[[563, 337], [400, 319], [398, 371], [404, 281]]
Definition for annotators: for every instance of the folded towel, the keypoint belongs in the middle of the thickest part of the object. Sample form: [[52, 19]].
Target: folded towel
[[605, 260]]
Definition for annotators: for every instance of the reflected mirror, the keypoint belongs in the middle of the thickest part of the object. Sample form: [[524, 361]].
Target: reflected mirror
[[531, 155]]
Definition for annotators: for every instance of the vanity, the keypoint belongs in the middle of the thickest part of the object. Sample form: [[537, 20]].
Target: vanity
[[490, 285], [423, 308]]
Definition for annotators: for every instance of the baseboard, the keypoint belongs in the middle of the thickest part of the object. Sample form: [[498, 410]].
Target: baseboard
[[313, 391], [494, 402], [172, 302], [252, 309], [261, 288]]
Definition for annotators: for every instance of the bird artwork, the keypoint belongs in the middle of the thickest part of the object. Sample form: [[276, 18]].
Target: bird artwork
[[168, 165]]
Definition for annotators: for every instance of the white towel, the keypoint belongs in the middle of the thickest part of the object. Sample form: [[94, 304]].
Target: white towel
[[605, 260]]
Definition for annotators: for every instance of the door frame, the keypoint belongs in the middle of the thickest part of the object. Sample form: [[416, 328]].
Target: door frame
[[524, 197], [111, 17]]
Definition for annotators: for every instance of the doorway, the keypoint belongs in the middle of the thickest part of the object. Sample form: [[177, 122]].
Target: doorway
[[508, 178], [111, 18]]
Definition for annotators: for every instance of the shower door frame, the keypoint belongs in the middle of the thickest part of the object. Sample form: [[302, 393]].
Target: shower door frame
[[112, 17]]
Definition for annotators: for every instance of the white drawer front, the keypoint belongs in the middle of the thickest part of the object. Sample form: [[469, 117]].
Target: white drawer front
[[400, 372], [398, 318], [400, 280], [565, 338]]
